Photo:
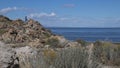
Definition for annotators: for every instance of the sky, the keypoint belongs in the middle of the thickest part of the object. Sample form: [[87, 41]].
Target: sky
[[65, 13]]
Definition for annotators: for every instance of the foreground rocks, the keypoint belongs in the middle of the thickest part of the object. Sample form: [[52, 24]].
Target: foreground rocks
[[10, 57], [7, 56]]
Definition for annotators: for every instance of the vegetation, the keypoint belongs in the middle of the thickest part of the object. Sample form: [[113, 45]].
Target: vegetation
[[82, 42], [103, 53], [107, 53], [53, 42], [2, 31], [65, 58]]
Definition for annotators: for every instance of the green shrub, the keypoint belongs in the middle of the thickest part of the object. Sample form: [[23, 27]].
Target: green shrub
[[53, 42], [2, 31], [82, 42], [47, 35], [106, 53]]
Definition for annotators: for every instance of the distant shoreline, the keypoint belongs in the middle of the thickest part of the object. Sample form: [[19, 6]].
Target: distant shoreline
[[88, 27]]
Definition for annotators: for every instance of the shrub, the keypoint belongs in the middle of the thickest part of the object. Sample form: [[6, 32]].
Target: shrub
[[53, 42], [82, 42], [106, 53], [2, 31], [50, 55]]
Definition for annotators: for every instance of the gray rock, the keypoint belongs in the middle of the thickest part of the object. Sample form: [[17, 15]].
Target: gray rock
[[25, 51], [7, 56]]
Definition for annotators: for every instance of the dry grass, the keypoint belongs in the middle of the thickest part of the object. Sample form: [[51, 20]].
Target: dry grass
[[64, 58], [104, 53], [107, 53]]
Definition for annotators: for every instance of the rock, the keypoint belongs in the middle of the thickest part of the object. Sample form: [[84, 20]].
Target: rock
[[7, 57], [36, 43], [4, 19], [10, 57], [10, 35], [62, 42], [73, 44], [3, 25], [0, 37], [25, 51], [33, 24], [17, 22]]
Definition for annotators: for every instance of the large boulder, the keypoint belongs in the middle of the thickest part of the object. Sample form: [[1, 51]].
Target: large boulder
[[25, 51], [7, 57]]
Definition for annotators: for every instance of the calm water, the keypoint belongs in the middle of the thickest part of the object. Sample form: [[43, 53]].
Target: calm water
[[89, 34]]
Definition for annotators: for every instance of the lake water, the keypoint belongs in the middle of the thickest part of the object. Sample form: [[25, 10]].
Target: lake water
[[89, 34]]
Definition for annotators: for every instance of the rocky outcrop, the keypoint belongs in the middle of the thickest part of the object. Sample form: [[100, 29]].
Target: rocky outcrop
[[7, 57], [11, 57], [4, 19], [17, 31], [25, 51], [31, 33]]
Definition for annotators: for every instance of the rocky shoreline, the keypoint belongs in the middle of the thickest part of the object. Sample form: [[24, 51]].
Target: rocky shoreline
[[30, 45]]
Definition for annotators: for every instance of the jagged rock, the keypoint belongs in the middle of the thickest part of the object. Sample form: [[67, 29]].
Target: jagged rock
[[33, 24], [7, 57], [4, 19], [25, 51], [17, 22], [36, 43], [3, 25], [10, 35], [73, 44]]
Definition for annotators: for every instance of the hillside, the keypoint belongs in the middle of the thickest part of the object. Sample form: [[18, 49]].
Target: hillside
[[30, 32]]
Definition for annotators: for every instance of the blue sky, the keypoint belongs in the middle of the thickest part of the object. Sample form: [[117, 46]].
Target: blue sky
[[65, 13]]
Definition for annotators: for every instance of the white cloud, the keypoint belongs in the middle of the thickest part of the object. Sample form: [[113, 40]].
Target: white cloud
[[10, 9], [6, 10], [82, 22], [39, 15]]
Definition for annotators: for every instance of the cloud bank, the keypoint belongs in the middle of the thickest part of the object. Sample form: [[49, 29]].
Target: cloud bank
[[6, 10], [10, 9], [53, 19]]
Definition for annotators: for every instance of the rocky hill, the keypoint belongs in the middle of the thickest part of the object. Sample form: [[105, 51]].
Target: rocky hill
[[25, 33], [18, 31]]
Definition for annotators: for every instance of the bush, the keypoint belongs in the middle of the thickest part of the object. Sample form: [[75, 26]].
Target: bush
[[49, 54], [53, 42], [2, 31], [106, 53], [82, 42]]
